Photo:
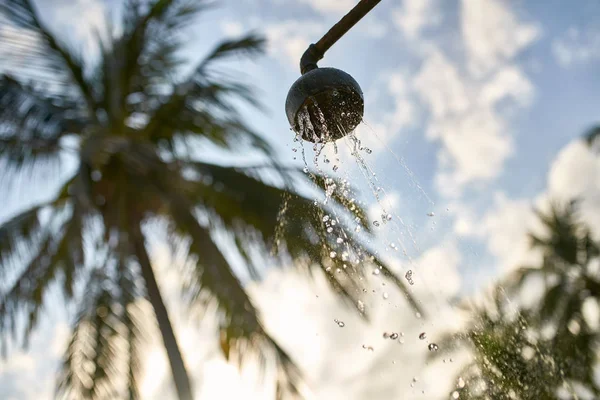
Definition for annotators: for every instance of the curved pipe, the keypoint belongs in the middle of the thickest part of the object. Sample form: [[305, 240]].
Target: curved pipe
[[315, 52]]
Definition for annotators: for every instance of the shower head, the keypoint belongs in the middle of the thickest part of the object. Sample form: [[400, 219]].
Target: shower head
[[325, 104]]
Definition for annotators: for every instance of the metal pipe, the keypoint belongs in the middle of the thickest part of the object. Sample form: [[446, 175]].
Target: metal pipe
[[315, 52]]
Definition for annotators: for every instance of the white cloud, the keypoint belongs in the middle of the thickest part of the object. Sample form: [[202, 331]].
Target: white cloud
[[576, 47], [508, 83], [474, 148], [288, 40], [391, 201], [232, 28], [575, 173], [372, 27], [473, 135], [90, 16], [415, 15], [493, 34], [437, 269], [384, 123], [463, 100], [504, 227], [301, 315], [331, 6], [440, 86]]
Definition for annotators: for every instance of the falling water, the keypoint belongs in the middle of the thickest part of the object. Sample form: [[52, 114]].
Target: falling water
[[325, 171]]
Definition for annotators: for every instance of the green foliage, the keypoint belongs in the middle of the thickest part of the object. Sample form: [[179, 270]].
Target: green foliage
[[532, 352]]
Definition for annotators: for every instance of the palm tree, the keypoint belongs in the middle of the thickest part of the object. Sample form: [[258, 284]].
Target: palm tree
[[524, 353], [132, 121], [509, 361], [567, 270]]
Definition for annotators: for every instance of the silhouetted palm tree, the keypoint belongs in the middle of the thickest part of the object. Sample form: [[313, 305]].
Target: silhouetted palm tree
[[132, 120]]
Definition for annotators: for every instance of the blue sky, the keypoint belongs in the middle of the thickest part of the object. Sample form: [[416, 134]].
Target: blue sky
[[483, 100]]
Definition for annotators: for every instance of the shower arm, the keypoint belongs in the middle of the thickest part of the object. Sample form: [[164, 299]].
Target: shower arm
[[316, 51]]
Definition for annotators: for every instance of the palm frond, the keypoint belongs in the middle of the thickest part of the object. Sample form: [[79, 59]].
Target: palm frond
[[58, 252], [45, 50], [33, 125], [203, 106], [249, 209], [103, 358], [591, 137], [88, 370], [152, 39], [210, 279], [249, 45], [133, 322], [21, 234], [17, 236]]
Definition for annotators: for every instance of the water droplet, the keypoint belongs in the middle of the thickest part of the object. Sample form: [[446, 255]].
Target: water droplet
[[326, 160], [431, 214], [460, 383], [433, 347], [339, 240], [408, 277], [332, 254], [385, 295], [394, 336], [305, 170], [344, 256], [360, 305], [96, 175], [376, 271], [386, 335], [455, 394], [368, 348], [423, 336], [414, 379], [418, 314], [376, 223], [326, 218], [368, 150], [329, 230], [335, 167], [358, 227], [341, 324], [294, 149]]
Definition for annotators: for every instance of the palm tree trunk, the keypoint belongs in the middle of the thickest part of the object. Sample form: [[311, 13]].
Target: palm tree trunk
[[180, 375]]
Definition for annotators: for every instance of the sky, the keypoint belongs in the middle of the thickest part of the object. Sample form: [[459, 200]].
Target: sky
[[474, 109]]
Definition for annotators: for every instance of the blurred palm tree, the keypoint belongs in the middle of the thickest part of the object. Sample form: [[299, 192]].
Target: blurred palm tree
[[532, 352], [132, 119]]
